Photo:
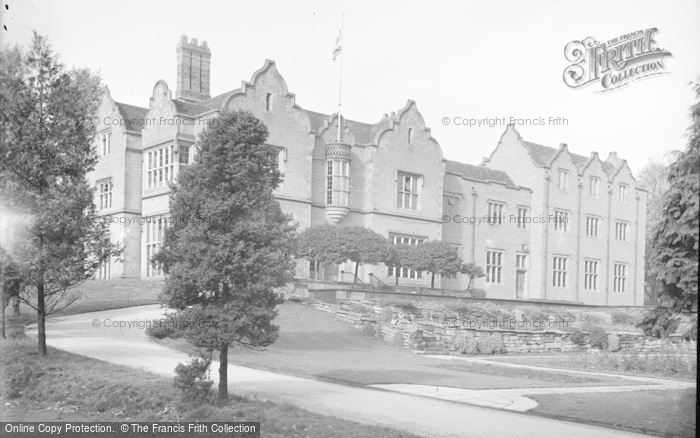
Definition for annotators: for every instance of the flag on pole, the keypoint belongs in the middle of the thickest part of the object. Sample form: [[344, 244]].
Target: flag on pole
[[338, 45]]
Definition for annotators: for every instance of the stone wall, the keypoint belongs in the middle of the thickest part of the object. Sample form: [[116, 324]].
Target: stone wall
[[435, 332]]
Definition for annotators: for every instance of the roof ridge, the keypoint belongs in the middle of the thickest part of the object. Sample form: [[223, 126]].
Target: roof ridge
[[130, 105]]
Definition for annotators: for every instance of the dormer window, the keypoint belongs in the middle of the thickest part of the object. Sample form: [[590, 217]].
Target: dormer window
[[268, 102], [410, 135]]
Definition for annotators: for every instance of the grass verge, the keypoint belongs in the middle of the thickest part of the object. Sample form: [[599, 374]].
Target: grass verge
[[659, 364], [68, 387], [96, 295], [669, 413]]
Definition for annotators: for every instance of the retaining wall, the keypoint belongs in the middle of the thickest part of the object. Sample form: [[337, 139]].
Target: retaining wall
[[435, 332]]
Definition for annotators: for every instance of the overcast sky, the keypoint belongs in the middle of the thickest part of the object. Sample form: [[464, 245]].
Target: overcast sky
[[454, 58]]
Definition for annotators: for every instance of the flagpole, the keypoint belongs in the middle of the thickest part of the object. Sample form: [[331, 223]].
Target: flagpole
[[340, 80]]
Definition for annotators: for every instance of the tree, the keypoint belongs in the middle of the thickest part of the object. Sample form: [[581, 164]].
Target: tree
[[229, 244], [336, 244], [322, 243], [399, 255], [654, 179], [472, 271], [436, 257], [46, 152], [363, 246], [675, 252]]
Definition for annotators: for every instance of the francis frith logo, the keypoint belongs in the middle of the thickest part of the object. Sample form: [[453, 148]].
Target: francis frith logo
[[615, 63]]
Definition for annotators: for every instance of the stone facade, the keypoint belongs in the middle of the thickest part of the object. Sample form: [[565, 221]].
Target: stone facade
[[605, 222], [389, 175]]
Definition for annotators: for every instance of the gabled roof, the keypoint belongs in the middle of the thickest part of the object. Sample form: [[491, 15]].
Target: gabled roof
[[189, 109], [363, 132], [478, 173], [134, 116], [542, 154], [217, 102]]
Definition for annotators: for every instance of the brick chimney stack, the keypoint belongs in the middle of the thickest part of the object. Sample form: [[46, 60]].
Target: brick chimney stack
[[193, 67]]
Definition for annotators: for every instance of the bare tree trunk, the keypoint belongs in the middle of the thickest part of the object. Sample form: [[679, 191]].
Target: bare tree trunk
[[223, 372], [357, 267], [2, 301], [15, 305], [432, 282], [41, 317]]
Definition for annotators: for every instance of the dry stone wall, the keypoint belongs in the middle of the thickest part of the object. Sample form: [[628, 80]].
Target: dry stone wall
[[436, 332]]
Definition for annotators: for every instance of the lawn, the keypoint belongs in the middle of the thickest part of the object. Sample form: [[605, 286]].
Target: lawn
[[66, 387], [315, 344], [668, 413], [99, 295], [656, 363]]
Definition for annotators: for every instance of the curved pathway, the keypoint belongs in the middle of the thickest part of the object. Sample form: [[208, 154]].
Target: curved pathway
[[118, 336]]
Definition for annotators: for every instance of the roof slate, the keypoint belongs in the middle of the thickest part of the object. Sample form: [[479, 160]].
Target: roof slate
[[134, 116], [478, 173], [189, 109], [542, 154]]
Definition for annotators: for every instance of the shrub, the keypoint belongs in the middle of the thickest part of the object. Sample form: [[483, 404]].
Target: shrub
[[532, 314], [489, 343], [621, 317], [484, 310], [613, 342], [598, 336], [193, 379], [466, 344], [656, 363], [597, 318], [387, 314], [160, 329], [577, 336], [405, 305], [398, 340], [354, 307], [477, 293], [367, 329]]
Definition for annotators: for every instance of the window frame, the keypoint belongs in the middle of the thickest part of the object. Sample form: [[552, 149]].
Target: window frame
[[565, 174], [414, 198], [623, 193], [620, 275], [337, 182], [596, 220], [495, 212], [105, 189], [622, 230], [591, 274], [560, 271], [160, 167], [522, 221], [494, 266], [561, 226], [591, 192]]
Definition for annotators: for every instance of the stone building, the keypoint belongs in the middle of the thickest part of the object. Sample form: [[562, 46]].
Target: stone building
[[389, 176]]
